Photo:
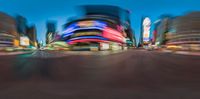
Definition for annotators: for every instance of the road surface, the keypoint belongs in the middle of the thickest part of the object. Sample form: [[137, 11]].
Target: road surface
[[134, 74]]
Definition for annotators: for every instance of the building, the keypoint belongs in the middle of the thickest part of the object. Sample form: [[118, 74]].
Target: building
[[26, 33], [22, 26], [8, 32], [185, 32], [162, 28], [101, 26], [140, 42], [154, 36], [145, 31], [32, 35], [51, 31], [126, 21]]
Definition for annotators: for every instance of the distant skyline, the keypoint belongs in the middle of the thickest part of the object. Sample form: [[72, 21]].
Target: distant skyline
[[39, 11]]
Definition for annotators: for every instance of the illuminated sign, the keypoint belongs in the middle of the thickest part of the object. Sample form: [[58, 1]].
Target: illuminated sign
[[115, 38], [66, 35], [87, 40], [84, 25], [91, 23], [71, 32], [24, 41], [112, 31], [87, 37], [113, 35], [146, 29], [16, 42], [70, 28], [85, 33]]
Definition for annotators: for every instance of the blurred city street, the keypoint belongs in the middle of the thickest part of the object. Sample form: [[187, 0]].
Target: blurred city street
[[131, 74], [96, 49]]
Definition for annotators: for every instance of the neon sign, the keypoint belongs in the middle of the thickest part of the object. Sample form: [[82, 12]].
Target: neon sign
[[86, 40], [85, 33], [85, 25], [146, 29]]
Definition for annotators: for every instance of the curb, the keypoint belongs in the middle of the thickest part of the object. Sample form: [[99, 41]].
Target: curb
[[188, 53], [182, 52], [13, 53], [98, 53]]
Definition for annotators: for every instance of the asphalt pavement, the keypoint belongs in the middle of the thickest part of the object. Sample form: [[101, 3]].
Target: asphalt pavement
[[132, 74]]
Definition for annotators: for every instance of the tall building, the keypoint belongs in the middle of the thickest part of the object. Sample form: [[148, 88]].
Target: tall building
[[21, 25], [23, 29], [145, 31], [8, 33], [162, 28], [101, 27], [32, 34], [51, 31], [120, 15], [125, 20], [154, 37], [185, 31], [140, 43]]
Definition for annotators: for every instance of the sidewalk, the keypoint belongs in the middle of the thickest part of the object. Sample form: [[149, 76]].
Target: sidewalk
[[197, 53], [98, 53], [14, 53]]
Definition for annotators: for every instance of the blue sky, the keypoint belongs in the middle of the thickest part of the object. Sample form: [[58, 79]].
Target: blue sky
[[39, 11]]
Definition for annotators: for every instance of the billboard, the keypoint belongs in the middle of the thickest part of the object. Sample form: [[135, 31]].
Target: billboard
[[113, 35], [24, 41], [84, 25], [87, 33], [146, 29]]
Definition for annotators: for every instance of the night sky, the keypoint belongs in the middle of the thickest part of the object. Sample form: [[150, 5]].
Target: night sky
[[39, 11]]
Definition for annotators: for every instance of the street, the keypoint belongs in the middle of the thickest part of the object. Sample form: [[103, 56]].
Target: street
[[133, 74]]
